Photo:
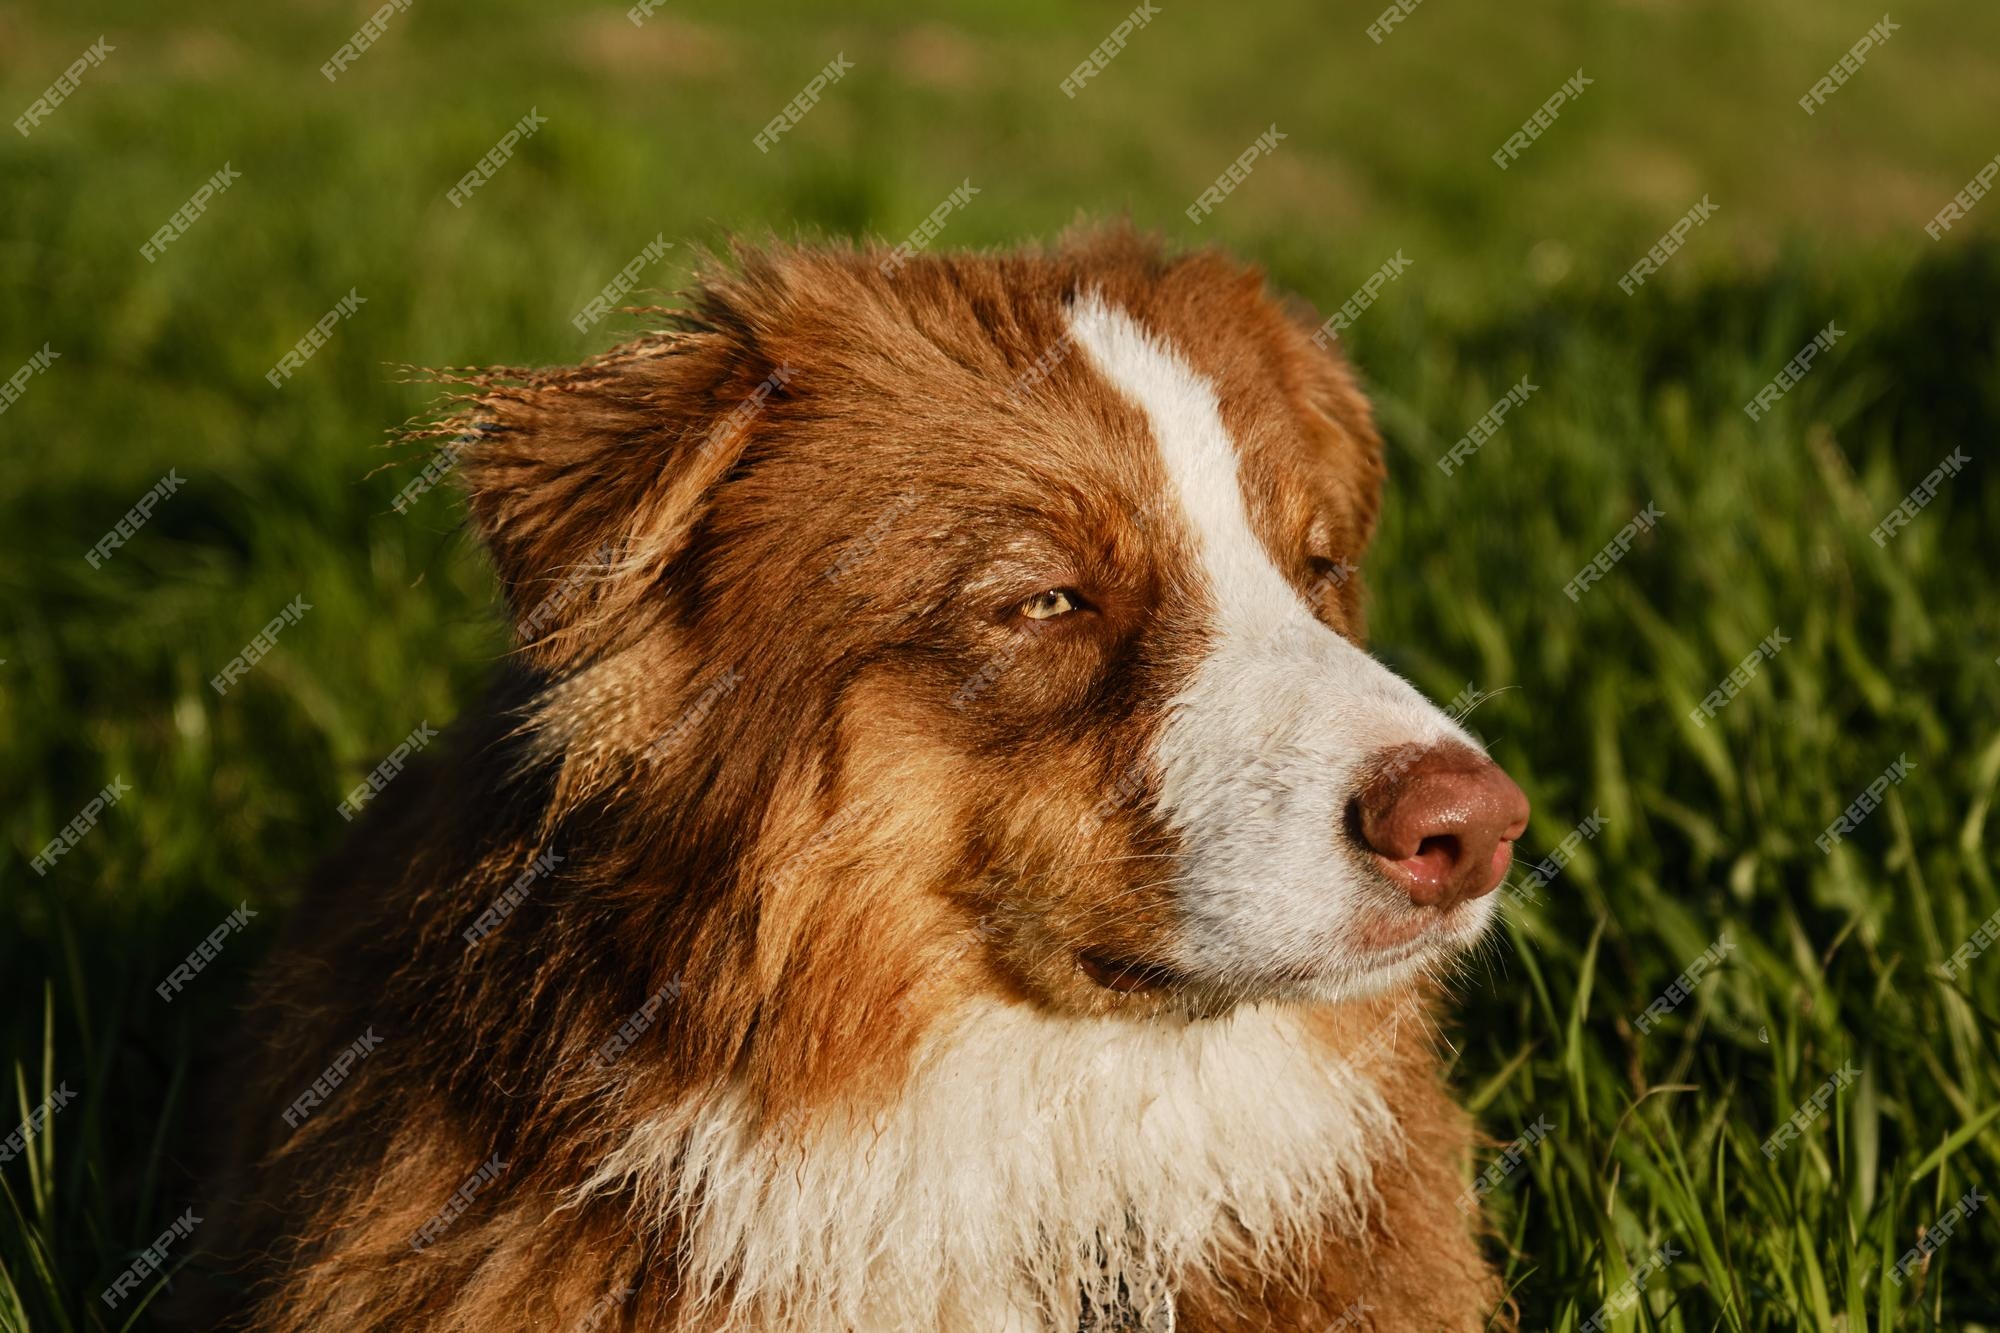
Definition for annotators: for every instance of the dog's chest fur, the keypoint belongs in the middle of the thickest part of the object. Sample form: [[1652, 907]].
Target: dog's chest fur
[[1029, 1160]]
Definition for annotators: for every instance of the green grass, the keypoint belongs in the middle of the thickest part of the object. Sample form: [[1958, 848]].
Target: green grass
[[1894, 651]]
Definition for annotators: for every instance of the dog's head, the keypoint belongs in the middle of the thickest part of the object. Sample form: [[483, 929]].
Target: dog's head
[[993, 623]]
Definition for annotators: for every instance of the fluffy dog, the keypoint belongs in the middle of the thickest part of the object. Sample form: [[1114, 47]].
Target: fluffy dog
[[941, 857]]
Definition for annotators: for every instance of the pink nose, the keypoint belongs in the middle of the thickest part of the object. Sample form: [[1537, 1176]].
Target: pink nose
[[1441, 821]]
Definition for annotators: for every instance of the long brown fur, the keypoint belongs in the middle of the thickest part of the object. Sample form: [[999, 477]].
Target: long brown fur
[[764, 801]]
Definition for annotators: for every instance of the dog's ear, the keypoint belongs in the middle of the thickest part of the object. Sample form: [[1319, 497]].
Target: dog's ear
[[585, 482], [1333, 398], [1338, 424], [1344, 425]]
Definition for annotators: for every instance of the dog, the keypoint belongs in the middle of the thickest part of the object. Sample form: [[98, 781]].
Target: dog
[[940, 856]]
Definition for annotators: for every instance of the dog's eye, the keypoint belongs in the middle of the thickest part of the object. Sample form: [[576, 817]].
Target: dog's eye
[[1048, 605]]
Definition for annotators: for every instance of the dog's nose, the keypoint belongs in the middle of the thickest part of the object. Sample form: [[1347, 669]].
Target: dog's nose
[[1441, 821]]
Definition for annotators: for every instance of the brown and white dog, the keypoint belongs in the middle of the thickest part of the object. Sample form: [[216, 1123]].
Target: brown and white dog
[[943, 858]]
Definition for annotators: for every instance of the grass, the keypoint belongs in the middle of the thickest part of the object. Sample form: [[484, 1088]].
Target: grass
[[1654, 1138]]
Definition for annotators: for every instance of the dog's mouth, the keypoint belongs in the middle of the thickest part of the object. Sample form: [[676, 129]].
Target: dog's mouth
[[1128, 976], [1383, 953]]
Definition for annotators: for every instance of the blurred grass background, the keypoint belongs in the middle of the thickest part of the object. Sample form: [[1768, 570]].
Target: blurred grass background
[[1894, 651]]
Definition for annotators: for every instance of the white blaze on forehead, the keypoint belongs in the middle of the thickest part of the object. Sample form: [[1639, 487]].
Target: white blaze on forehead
[[1262, 749], [1200, 458]]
